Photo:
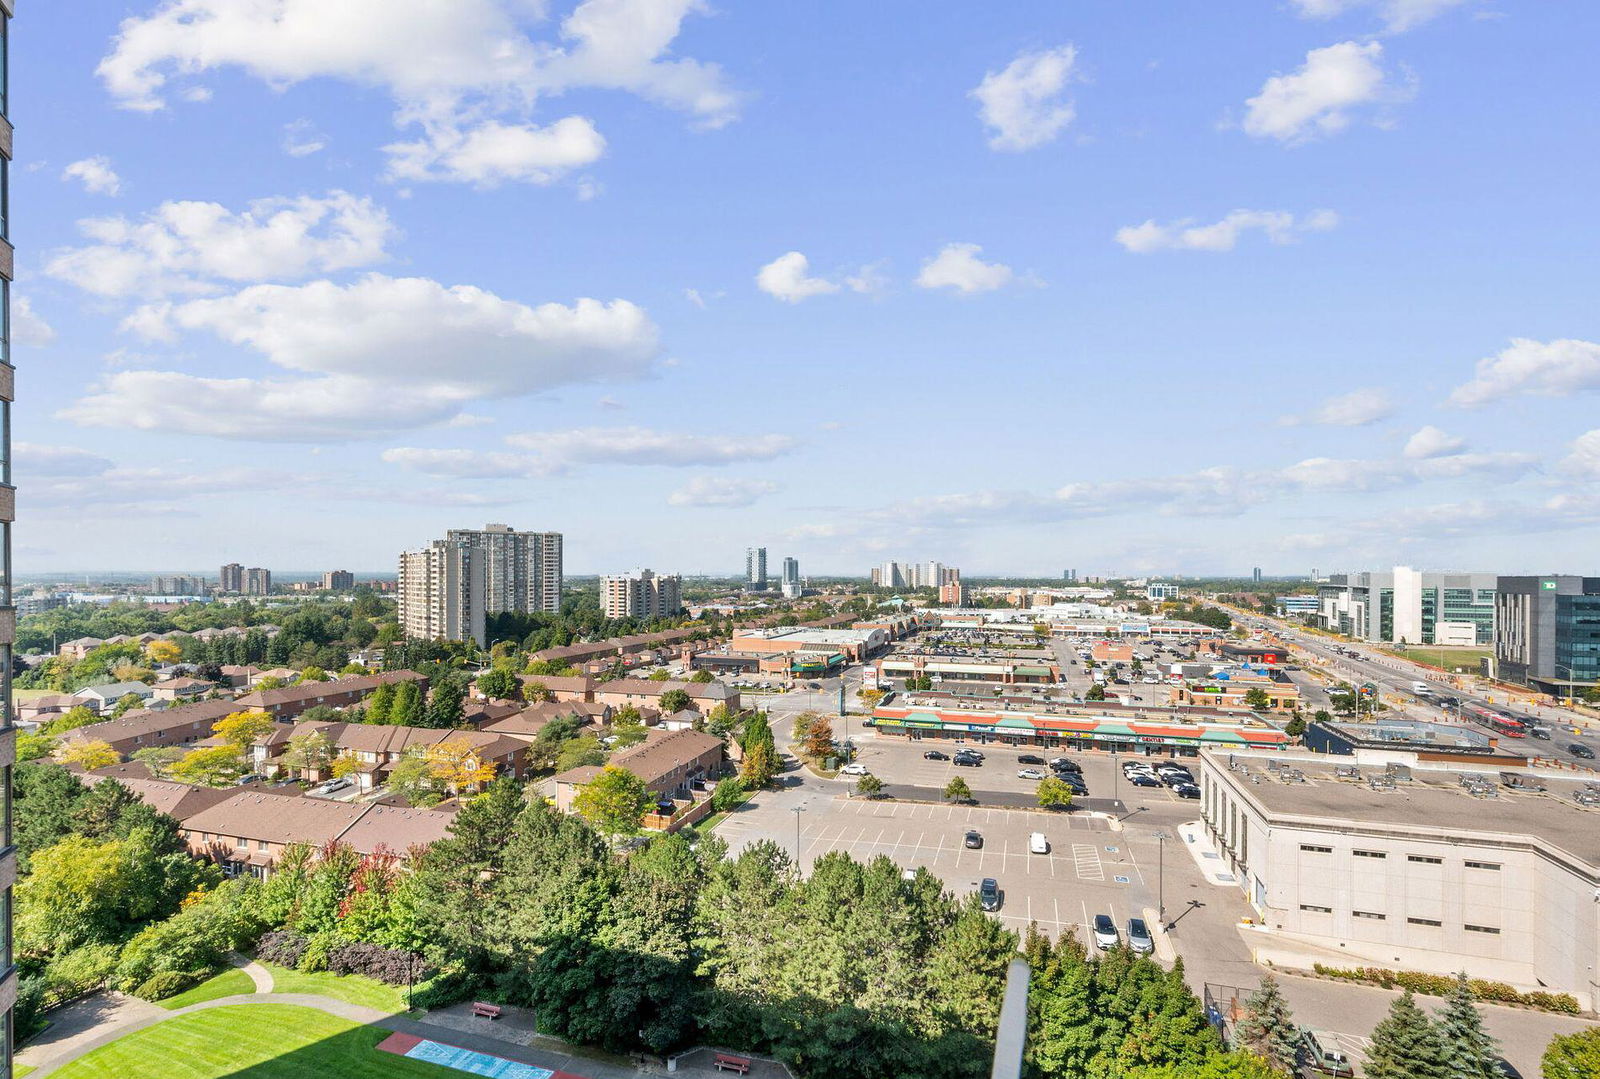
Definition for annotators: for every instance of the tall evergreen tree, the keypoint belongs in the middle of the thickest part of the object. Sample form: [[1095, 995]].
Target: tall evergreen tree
[[1267, 1029], [406, 711], [1469, 1051], [380, 703], [447, 709], [1405, 1044]]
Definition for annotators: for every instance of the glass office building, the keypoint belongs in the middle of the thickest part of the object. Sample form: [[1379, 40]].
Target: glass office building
[[1547, 632]]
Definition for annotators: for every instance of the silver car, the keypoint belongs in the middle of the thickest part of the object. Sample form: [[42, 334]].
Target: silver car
[[1139, 938]]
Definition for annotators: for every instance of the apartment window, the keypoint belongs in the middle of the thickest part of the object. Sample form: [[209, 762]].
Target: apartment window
[[1424, 921], [1484, 865], [1312, 848], [1481, 929], [242, 843], [1426, 859], [1368, 914], [261, 844], [1313, 907], [1369, 854]]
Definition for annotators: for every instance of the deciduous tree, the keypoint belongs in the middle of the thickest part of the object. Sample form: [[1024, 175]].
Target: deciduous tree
[[456, 765], [613, 801], [957, 790], [1573, 1056], [210, 766], [87, 753], [242, 730], [1053, 793]]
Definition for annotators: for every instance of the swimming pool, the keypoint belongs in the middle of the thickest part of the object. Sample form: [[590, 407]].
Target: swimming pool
[[476, 1063]]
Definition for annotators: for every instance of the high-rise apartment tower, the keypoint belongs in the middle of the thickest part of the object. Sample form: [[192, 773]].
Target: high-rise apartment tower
[[755, 569], [523, 570], [441, 592]]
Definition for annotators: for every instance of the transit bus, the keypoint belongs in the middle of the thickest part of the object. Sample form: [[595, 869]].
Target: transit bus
[[1495, 721]]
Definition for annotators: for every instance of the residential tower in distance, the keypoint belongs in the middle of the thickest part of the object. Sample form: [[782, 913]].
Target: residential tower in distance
[[441, 592], [523, 570], [641, 594], [755, 569], [338, 580]]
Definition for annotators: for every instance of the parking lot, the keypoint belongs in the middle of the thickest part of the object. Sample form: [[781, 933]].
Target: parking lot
[[1089, 870]]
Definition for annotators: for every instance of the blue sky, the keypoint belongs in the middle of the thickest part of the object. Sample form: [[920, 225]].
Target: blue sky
[[1116, 285]]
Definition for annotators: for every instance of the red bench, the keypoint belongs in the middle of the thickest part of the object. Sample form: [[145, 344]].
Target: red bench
[[485, 1010], [725, 1063]]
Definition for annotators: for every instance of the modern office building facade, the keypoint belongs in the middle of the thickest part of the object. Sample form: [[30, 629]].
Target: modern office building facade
[[231, 578], [1547, 632], [1410, 606], [8, 514], [524, 570], [641, 594], [755, 569], [441, 592]]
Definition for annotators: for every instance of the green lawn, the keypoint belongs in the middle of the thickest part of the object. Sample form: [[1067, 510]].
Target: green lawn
[[230, 983], [19, 1070], [258, 1041], [347, 987]]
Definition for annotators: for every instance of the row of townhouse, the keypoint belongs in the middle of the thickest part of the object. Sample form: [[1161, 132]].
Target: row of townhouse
[[246, 829], [184, 724], [639, 692], [79, 647], [377, 748]]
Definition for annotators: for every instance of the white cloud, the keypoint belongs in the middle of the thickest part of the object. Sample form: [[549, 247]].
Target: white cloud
[[27, 328], [957, 266], [35, 459], [302, 139], [720, 491], [384, 354], [1543, 368], [870, 279], [194, 246], [547, 453], [472, 63], [493, 153], [1023, 105], [1584, 455], [1429, 441], [1278, 226], [786, 278], [1354, 409], [1398, 15], [95, 174], [1210, 492], [70, 477], [1318, 98]]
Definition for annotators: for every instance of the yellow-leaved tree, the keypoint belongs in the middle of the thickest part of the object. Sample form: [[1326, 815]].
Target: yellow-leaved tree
[[163, 652], [87, 753], [456, 764], [241, 730]]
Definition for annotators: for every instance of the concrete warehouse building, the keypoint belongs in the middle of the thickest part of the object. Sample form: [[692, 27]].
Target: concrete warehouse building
[[1412, 869]]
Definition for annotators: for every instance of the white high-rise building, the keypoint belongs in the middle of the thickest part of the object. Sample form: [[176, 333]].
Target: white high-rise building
[[523, 570], [755, 569], [441, 592], [641, 594]]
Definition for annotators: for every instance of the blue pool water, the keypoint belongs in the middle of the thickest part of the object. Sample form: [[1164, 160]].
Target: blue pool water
[[477, 1063]]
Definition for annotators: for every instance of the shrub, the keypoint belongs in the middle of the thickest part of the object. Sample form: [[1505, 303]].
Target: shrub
[[283, 947], [446, 987], [197, 938], [391, 965], [80, 971], [168, 983], [1439, 985], [28, 1012], [314, 960], [727, 794]]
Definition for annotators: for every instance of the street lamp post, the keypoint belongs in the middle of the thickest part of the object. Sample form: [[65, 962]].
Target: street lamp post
[[799, 809], [1161, 881]]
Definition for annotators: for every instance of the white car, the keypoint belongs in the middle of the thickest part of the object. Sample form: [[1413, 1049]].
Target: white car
[[856, 769], [1038, 844], [1030, 773]]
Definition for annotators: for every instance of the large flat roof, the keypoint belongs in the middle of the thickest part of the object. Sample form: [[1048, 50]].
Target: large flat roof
[[1433, 799]]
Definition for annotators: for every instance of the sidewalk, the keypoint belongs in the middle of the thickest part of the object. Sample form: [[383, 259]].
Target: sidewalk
[[1211, 864]]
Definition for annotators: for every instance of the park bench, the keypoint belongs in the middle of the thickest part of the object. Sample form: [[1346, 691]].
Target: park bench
[[725, 1063], [485, 1010]]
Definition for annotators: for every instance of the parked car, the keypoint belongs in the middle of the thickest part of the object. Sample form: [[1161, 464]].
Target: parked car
[[1065, 764], [1139, 938], [1140, 779], [974, 840], [1186, 790], [1038, 844], [966, 762], [1029, 758], [971, 753], [935, 755], [856, 769], [1029, 773], [1578, 749], [1105, 931], [989, 894], [1325, 1055]]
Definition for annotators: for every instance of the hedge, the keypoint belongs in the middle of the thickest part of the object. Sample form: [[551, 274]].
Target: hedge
[[390, 965], [1440, 985]]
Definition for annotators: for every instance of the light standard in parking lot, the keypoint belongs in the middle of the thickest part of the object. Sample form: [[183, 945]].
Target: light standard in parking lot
[[799, 809], [1161, 881]]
